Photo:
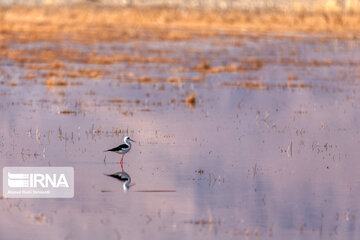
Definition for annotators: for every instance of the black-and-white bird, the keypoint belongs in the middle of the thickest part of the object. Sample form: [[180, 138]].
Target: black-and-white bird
[[122, 149], [124, 177]]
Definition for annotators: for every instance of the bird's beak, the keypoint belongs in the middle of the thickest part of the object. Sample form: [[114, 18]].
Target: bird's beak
[[132, 140]]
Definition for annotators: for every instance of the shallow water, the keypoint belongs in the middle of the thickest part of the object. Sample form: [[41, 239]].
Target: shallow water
[[274, 160]]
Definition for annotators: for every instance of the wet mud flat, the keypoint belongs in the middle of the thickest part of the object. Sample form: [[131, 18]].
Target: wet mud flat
[[242, 132]]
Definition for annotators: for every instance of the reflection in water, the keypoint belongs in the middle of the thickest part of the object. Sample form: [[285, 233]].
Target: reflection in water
[[124, 177]]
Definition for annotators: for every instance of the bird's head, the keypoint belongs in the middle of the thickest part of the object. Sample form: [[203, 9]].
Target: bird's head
[[127, 139]]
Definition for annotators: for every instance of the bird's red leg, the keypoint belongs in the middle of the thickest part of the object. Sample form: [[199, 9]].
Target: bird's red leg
[[121, 161]]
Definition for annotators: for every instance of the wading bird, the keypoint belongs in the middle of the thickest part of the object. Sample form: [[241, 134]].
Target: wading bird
[[122, 149]]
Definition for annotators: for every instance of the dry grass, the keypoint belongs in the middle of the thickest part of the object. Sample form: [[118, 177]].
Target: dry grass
[[92, 24], [246, 84], [260, 85], [191, 100], [292, 77], [52, 82], [52, 58], [54, 65], [67, 112], [244, 66], [89, 24], [146, 80], [117, 100], [182, 79], [294, 85]]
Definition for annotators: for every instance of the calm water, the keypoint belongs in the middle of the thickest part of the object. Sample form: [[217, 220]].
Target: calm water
[[270, 162]]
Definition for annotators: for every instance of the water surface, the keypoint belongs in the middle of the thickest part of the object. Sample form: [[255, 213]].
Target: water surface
[[268, 151]]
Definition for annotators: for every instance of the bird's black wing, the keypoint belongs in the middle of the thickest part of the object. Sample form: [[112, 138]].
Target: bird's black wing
[[122, 176], [118, 148]]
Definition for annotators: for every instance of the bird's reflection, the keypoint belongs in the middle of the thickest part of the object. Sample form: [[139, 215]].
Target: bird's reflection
[[124, 177]]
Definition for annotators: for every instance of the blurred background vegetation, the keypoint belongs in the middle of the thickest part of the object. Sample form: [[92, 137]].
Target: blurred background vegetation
[[283, 5]]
